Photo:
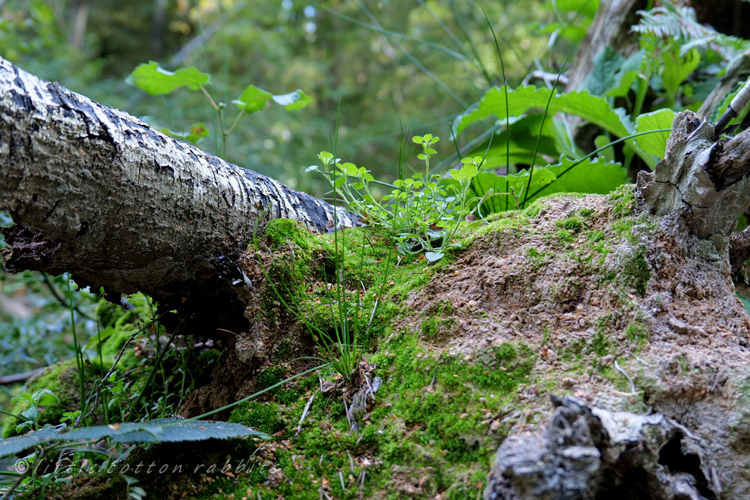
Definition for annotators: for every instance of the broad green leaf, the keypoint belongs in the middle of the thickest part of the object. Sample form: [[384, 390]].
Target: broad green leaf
[[586, 177], [677, 69], [626, 76], [45, 397], [589, 176], [501, 187], [168, 430], [586, 8], [608, 154], [602, 77], [523, 141], [156, 81], [252, 99], [293, 100], [22, 397], [433, 256], [591, 108], [654, 144], [31, 413], [14, 445]]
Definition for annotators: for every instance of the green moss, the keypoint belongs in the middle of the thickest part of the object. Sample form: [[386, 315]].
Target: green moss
[[585, 212], [60, 378], [638, 269], [573, 224], [280, 232], [623, 200], [595, 236], [637, 331], [264, 417], [564, 236]]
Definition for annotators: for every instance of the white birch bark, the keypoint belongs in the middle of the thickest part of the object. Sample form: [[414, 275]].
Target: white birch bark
[[99, 193]]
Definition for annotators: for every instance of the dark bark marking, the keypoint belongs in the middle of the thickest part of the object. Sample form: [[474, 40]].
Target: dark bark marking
[[27, 249]]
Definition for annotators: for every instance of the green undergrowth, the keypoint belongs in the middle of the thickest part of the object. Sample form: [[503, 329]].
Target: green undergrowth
[[117, 324], [303, 268], [428, 429]]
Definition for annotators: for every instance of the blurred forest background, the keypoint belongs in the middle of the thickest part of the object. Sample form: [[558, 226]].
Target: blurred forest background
[[389, 66], [361, 52]]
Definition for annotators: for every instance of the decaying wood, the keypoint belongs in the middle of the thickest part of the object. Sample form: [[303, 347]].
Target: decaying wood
[[703, 182], [97, 192], [589, 452]]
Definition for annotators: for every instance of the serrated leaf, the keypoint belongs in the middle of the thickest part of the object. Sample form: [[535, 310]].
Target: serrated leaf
[[677, 68], [580, 103], [626, 76], [654, 144], [156, 81], [590, 176], [293, 100], [167, 430], [252, 99], [603, 72], [14, 445]]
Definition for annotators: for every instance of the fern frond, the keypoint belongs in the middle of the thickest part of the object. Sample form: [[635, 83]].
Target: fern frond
[[680, 24]]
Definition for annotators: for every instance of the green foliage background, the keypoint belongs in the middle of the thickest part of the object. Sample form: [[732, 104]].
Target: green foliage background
[[281, 46]]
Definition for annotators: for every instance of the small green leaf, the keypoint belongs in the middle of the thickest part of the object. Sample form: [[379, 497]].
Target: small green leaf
[[339, 182], [293, 100], [45, 397], [197, 131], [349, 168], [433, 257], [252, 99], [468, 171], [100, 337], [156, 81], [31, 413], [22, 397], [358, 185], [417, 139], [313, 168]]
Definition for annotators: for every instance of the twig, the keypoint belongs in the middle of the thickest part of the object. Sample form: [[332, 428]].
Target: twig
[[341, 477], [60, 298], [362, 476], [346, 409], [351, 462], [632, 384], [369, 386], [19, 377], [305, 412]]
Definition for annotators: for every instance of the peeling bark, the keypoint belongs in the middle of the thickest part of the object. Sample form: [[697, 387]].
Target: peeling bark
[[102, 195]]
